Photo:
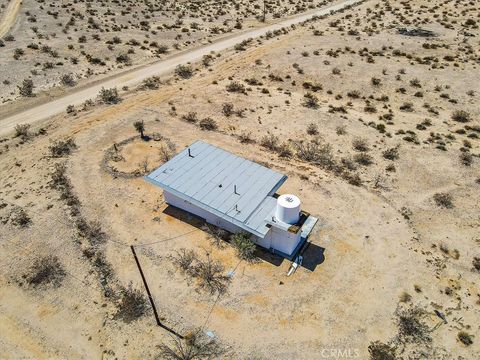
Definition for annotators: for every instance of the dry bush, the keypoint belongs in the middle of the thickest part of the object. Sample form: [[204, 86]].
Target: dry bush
[[20, 218], [109, 96], [236, 87], [210, 275], [461, 116], [244, 246], [45, 271], [381, 351], [228, 109], [310, 101], [91, 230], [360, 144], [22, 131], [184, 71], [60, 148], [411, 329], [443, 200], [131, 305], [217, 236], [285, 150], [363, 159], [312, 129], [26, 89], [466, 158], [391, 154], [208, 124], [476, 263], [315, 152], [167, 151], [465, 338], [68, 80], [191, 117], [194, 346], [246, 137], [270, 142], [185, 260], [151, 83]]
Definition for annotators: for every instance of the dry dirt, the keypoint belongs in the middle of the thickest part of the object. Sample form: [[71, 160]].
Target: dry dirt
[[398, 230]]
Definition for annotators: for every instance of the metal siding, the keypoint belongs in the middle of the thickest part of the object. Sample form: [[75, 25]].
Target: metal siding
[[196, 179]]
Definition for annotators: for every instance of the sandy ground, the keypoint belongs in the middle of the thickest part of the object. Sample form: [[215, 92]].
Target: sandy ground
[[380, 247], [9, 15]]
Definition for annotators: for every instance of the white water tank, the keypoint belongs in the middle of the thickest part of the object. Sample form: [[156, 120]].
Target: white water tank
[[288, 209]]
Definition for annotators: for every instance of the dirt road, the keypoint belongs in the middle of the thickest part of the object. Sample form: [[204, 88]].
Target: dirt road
[[135, 76], [9, 16]]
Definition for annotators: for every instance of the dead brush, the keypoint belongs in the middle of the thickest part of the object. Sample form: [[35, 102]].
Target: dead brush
[[131, 305], [60, 148], [411, 328], [210, 276], [45, 271]]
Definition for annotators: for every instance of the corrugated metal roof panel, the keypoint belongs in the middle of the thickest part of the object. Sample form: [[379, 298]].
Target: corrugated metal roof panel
[[207, 178]]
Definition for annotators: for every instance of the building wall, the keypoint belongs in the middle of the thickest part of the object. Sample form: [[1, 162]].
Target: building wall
[[277, 239]]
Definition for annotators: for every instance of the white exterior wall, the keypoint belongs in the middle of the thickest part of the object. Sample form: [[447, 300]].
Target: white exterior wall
[[208, 216], [277, 239]]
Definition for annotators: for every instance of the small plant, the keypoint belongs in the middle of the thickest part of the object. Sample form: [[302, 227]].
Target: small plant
[[244, 247], [45, 271], [465, 338], [360, 144], [151, 83], [67, 80], [310, 101], [411, 329], [131, 305], [312, 129], [236, 87], [26, 89], [476, 263], [194, 346], [185, 260], [20, 218], [381, 351], [270, 142], [184, 71], [140, 128], [376, 81], [60, 148], [191, 117], [443, 200], [22, 131], [466, 158], [363, 159], [391, 154], [208, 124], [461, 116], [109, 96], [245, 137], [227, 109], [210, 275]]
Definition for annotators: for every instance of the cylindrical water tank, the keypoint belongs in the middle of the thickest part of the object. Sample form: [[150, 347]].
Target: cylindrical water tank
[[288, 209]]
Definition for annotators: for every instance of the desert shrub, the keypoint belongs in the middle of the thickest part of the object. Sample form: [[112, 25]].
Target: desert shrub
[[60, 148], [461, 116], [354, 94], [167, 150], [236, 87], [22, 131], [270, 142], [140, 128], [465, 338], [411, 329], [466, 158], [285, 150], [363, 159], [151, 83], [376, 81], [244, 246], [45, 271], [20, 218], [190, 117], [207, 60], [443, 200], [310, 101], [109, 96], [184, 71], [227, 109], [194, 346], [407, 107], [312, 129], [185, 260], [381, 351], [476, 263], [217, 236], [131, 305], [91, 230], [360, 144], [314, 152], [341, 130], [391, 153], [208, 124], [67, 80], [26, 89], [210, 275], [245, 137]]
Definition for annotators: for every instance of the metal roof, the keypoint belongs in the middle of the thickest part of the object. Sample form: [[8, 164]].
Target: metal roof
[[207, 177]]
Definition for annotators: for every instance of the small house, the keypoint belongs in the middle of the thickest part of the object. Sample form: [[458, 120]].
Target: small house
[[235, 194]]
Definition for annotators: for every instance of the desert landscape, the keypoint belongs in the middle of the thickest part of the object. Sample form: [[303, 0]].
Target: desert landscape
[[373, 113]]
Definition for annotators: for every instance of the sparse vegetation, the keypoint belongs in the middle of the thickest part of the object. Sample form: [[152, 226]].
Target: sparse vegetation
[[195, 346], [443, 200], [46, 271], [244, 247]]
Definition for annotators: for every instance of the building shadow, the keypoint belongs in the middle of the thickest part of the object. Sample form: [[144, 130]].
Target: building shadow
[[184, 216], [313, 256], [267, 256]]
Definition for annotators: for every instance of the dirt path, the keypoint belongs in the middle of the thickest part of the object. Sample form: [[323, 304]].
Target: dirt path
[[135, 76], [9, 17]]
